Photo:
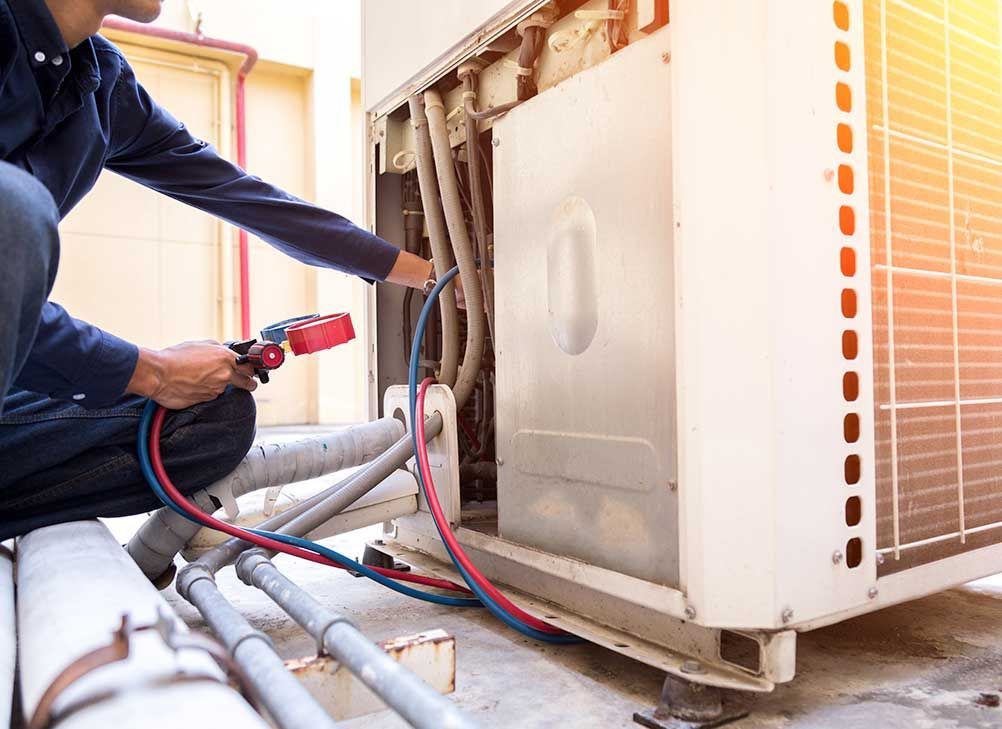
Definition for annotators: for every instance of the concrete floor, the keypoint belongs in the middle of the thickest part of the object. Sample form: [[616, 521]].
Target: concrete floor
[[922, 665]]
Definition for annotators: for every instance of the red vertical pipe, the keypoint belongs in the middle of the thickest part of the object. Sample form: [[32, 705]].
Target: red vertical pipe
[[240, 132], [245, 316]]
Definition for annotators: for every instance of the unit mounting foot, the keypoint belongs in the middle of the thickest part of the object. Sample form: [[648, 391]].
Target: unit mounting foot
[[689, 705], [373, 556]]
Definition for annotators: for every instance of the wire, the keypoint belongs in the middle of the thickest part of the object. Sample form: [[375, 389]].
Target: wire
[[490, 596], [153, 470]]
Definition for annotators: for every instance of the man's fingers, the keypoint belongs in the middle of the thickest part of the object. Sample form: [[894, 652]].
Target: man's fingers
[[243, 382], [247, 370]]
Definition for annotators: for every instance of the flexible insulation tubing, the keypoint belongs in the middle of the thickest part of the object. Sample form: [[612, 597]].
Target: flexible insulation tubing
[[156, 476]]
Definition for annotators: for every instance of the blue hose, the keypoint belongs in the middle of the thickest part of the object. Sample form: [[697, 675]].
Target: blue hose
[[147, 468], [412, 383]]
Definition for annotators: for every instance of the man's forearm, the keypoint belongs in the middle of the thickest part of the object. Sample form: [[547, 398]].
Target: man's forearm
[[410, 270]]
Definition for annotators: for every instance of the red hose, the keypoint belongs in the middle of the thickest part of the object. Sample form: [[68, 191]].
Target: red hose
[[443, 524], [240, 533]]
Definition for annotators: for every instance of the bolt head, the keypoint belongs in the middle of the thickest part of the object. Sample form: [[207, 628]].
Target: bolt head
[[880, 558], [499, 462], [872, 592], [787, 615], [690, 612], [496, 141], [666, 57], [691, 666], [673, 485], [836, 557]]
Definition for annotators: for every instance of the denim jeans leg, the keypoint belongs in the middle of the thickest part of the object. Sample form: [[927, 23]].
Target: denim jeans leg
[[29, 256], [59, 462]]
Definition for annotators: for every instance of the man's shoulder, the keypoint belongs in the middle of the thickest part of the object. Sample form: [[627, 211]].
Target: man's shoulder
[[103, 46]]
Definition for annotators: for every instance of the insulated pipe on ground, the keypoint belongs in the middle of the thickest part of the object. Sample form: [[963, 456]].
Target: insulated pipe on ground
[[303, 518], [452, 204], [8, 633], [404, 692], [286, 699], [75, 583], [441, 251], [165, 533]]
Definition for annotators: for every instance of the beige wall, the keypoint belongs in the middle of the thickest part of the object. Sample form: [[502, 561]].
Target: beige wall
[[302, 83]]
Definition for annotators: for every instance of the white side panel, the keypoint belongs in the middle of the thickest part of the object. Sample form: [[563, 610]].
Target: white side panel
[[759, 336], [400, 40], [724, 330], [806, 167], [585, 360]]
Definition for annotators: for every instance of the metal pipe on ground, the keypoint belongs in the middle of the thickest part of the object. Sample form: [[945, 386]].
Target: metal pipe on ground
[[402, 691], [452, 204], [315, 511], [165, 533], [8, 633], [74, 585], [286, 699]]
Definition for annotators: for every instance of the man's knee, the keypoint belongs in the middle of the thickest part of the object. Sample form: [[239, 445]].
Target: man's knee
[[232, 417], [29, 220]]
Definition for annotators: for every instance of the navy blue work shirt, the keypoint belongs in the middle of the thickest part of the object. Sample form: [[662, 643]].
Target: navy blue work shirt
[[67, 114]]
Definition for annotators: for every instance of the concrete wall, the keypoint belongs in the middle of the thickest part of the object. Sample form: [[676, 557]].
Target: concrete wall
[[303, 134]]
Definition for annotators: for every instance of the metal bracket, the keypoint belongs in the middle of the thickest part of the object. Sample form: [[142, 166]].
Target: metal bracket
[[443, 450], [689, 705]]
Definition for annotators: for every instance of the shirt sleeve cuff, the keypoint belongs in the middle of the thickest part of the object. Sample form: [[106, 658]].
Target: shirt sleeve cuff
[[107, 373], [385, 257]]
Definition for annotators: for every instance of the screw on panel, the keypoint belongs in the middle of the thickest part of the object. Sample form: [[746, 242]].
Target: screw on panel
[[872, 593], [666, 57], [787, 615], [836, 557], [672, 485], [499, 462], [829, 174], [880, 558], [690, 612], [691, 666], [496, 141]]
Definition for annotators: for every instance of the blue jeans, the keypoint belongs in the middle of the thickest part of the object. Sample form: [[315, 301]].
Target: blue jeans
[[58, 461]]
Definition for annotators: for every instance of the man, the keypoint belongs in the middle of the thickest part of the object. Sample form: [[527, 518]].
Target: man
[[71, 394]]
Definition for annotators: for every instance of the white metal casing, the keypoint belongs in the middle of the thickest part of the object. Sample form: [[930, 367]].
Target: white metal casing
[[764, 235], [427, 38]]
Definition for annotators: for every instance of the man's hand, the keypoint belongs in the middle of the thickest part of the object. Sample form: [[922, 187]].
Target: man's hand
[[189, 373], [413, 271]]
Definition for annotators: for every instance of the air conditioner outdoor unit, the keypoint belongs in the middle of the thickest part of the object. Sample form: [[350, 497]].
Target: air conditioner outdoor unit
[[749, 322]]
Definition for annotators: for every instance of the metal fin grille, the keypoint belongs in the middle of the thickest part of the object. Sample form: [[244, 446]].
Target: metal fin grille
[[934, 112]]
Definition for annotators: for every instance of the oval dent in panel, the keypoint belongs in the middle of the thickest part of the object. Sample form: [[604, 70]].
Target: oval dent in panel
[[572, 276]]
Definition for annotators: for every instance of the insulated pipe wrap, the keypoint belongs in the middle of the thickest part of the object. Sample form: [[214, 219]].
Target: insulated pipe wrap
[[304, 517], [452, 204], [164, 534], [438, 236], [74, 585]]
